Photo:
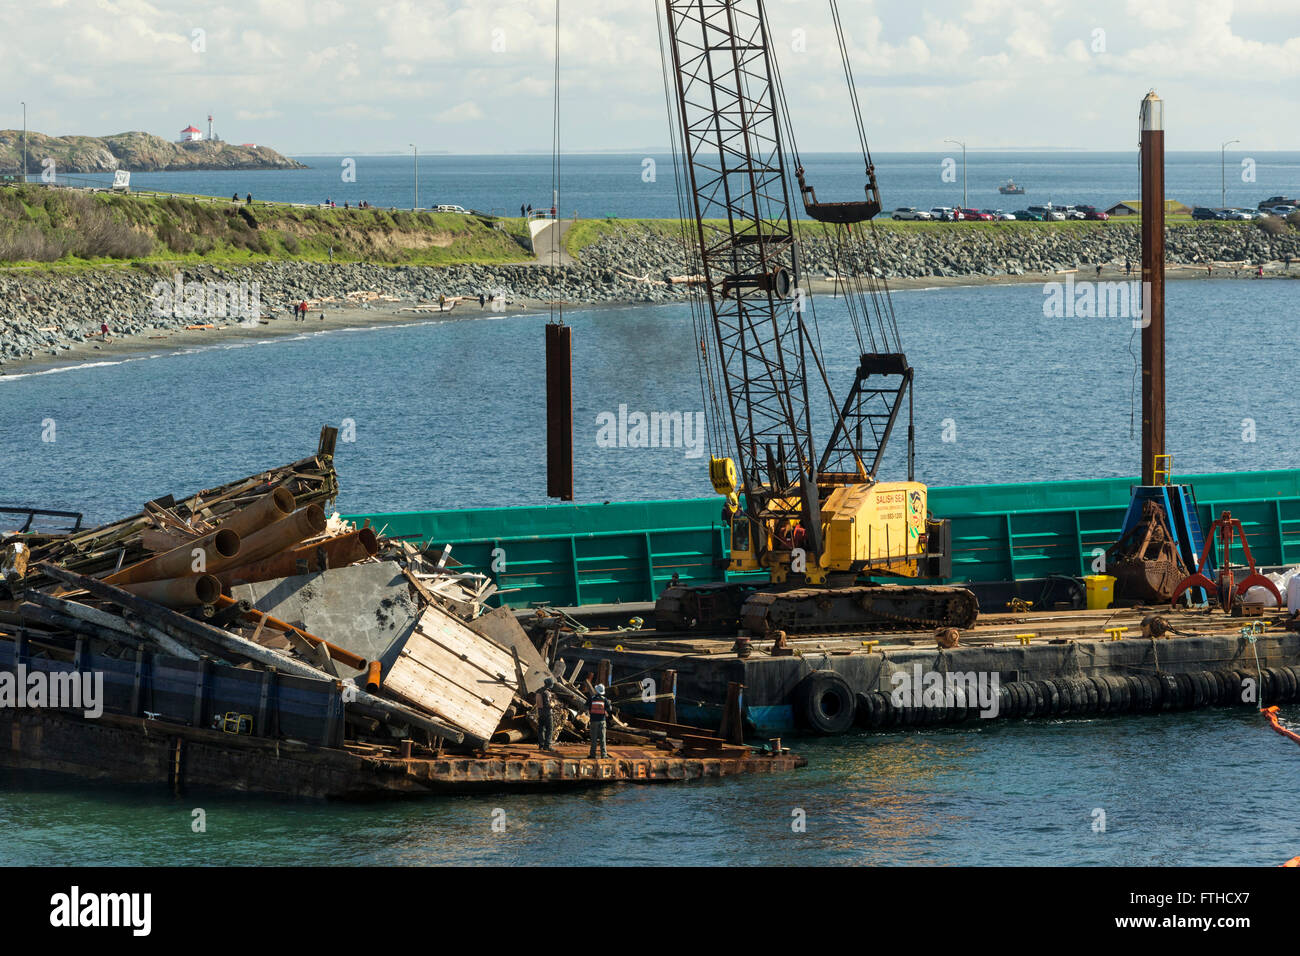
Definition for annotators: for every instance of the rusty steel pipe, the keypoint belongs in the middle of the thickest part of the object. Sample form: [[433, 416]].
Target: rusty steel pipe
[[270, 507], [344, 657], [339, 551], [374, 676], [1152, 159], [218, 549], [192, 590], [280, 535]]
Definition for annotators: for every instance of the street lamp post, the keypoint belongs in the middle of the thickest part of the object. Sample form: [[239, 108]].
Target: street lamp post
[[965, 202], [24, 102], [1223, 175], [416, 166]]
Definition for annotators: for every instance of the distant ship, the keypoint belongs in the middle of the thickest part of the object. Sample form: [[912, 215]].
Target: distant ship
[[1009, 188]]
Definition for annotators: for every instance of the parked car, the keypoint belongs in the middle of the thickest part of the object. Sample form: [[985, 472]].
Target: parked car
[[1092, 213], [946, 214], [911, 212], [1268, 204], [1283, 210], [1027, 215], [1049, 213], [1204, 212], [975, 215], [1069, 211], [1238, 214], [998, 214], [447, 207]]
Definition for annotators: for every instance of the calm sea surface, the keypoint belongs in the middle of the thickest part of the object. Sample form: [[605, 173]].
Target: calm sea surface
[[626, 186], [450, 414]]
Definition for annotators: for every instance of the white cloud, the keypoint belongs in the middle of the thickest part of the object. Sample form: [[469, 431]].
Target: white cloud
[[354, 74], [460, 113]]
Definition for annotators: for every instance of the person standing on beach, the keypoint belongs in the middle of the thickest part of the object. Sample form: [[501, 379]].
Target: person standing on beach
[[1128, 266], [303, 310], [103, 331], [482, 300]]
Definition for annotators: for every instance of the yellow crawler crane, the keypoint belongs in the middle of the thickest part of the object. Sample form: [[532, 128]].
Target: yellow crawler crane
[[820, 524]]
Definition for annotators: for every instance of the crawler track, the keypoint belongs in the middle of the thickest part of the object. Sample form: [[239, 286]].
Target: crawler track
[[877, 606]]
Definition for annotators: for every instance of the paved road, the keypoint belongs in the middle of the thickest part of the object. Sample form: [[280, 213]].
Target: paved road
[[549, 244]]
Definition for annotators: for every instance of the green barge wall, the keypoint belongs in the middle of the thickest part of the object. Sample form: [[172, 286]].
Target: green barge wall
[[576, 554]]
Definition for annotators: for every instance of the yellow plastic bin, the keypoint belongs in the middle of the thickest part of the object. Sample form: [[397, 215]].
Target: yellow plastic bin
[[1101, 591]]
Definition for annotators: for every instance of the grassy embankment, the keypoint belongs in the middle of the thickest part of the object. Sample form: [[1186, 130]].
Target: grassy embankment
[[70, 229]]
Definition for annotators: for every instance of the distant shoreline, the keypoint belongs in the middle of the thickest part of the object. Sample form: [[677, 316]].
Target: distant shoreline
[[336, 317]]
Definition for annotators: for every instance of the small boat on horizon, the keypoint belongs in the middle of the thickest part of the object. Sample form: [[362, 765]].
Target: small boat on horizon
[[1009, 188]]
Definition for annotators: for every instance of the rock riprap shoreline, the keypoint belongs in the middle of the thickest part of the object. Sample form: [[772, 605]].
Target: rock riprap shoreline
[[45, 312]]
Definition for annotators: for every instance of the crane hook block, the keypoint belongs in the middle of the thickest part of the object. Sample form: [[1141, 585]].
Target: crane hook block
[[722, 472]]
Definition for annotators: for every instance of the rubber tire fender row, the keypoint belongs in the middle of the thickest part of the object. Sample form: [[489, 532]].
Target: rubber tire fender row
[[1102, 689], [825, 704], [1288, 679]]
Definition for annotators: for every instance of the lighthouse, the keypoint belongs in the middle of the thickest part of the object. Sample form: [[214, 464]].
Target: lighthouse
[[210, 136]]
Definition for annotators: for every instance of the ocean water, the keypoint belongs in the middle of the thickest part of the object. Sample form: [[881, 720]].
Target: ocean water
[[636, 185], [450, 414], [1211, 787]]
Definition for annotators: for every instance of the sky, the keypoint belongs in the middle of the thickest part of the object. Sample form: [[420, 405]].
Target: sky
[[476, 76]]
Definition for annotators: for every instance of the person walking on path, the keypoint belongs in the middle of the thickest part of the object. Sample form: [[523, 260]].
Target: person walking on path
[[303, 310], [522, 213], [1128, 266], [545, 701], [597, 711]]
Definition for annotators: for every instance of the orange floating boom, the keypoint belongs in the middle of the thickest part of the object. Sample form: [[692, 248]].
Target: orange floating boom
[[1271, 714]]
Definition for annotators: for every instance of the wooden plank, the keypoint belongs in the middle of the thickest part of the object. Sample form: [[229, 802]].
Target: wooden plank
[[447, 631], [431, 684], [451, 671]]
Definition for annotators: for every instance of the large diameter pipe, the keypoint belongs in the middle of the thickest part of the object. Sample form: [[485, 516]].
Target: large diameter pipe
[[208, 553], [188, 630], [266, 510], [189, 591], [281, 535], [336, 552]]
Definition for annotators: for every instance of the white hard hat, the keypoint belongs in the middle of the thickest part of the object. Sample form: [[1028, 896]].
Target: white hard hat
[[600, 688]]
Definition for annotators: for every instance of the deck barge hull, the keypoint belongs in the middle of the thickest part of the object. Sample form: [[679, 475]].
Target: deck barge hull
[[135, 750], [1066, 660]]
